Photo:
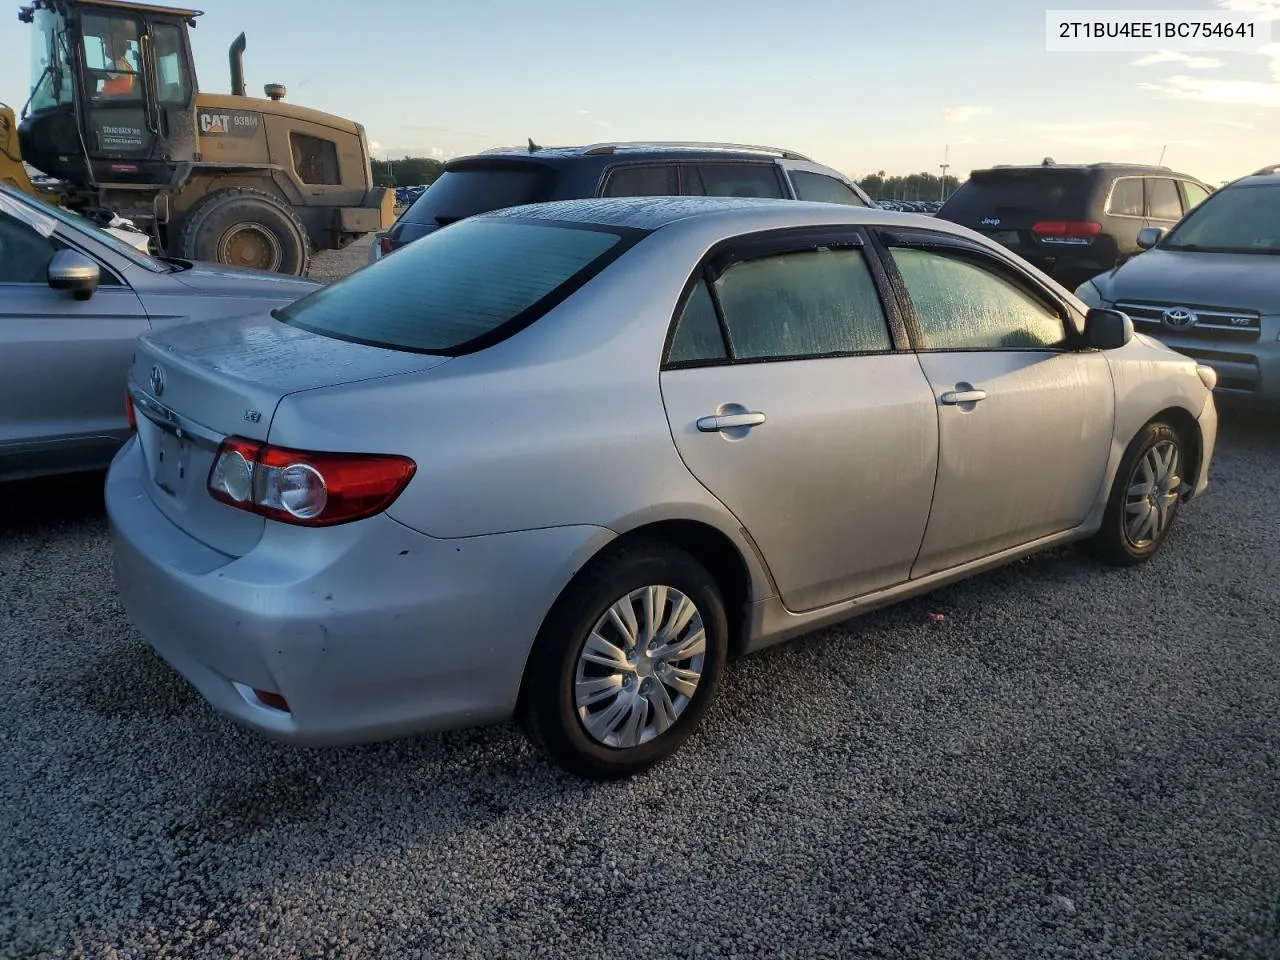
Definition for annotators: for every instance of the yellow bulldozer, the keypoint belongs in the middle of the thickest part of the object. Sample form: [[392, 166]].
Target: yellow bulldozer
[[116, 119]]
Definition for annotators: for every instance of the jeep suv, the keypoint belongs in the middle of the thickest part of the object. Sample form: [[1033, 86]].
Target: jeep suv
[[1073, 221], [1210, 287], [511, 177]]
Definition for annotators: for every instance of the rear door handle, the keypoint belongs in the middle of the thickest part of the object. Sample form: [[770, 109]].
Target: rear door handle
[[954, 397], [730, 421]]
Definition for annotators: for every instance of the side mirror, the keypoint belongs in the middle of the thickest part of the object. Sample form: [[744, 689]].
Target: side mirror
[[71, 270], [1148, 237], [1107, 329]]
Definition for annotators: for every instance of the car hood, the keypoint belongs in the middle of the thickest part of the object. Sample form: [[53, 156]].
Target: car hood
[[1197, 279], [217, 280]]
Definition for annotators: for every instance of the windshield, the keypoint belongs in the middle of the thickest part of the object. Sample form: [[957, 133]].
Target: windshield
[[50, 79], [35, 211], [462, 288], [1240, 219]]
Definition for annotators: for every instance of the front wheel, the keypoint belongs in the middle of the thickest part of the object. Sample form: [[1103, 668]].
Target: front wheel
[[1144, 498], [627, 662]]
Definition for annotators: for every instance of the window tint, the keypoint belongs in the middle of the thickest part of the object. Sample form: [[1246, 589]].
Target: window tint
[[1163, 201], [803, 304], [739, 180], [1126, 198], [962, 306], [461, 193], [1196, 194], [455, 285], [24, 253], [697, 335], [651, 180], [822, 189], [173, 83], [315, 159]]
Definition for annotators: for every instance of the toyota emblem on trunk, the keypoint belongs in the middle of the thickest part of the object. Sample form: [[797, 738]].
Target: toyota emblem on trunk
[[1177, 318], [157, 381]]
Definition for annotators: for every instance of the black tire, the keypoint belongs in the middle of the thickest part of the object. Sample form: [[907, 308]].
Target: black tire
[[548, 710], [1113, 543], [242, 227]]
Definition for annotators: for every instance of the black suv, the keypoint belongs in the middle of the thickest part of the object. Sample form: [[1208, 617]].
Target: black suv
[[1072, 221], [511, 177]]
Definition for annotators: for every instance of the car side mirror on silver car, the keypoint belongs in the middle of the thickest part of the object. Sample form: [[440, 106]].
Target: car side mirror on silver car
[[1107, 329], [72, 270], [1148, 237]]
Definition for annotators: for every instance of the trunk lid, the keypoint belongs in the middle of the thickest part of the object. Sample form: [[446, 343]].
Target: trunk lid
[[195, 384]]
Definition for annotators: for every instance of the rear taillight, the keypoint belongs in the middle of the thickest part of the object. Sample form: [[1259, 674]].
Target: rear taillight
[[385, 245], [1067, 231], [308, 489], [129, 411]]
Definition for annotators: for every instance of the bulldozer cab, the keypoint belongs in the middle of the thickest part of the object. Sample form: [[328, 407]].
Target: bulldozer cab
[[113, 92]]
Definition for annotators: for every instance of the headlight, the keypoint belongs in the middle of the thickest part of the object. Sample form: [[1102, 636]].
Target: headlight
[[1090, 295]]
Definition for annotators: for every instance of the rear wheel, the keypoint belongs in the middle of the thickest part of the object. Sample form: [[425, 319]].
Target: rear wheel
[[246, 228], [627, 662], [1144, 498]]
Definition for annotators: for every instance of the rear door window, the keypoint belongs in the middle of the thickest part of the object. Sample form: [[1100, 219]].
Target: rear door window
[[1194, 194], [463, 192], [1126, 198], [810, 303], [733, 180], [463, 288], [643, 180], [1163, 202], [822, 189]]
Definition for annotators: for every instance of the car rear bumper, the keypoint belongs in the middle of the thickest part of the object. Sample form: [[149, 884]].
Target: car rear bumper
[[368, 630]]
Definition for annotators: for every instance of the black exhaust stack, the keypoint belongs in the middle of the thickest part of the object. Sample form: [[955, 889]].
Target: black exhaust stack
[[237, 67]]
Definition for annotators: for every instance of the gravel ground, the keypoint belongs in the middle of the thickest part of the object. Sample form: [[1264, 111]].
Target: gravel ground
[[1076, 762]]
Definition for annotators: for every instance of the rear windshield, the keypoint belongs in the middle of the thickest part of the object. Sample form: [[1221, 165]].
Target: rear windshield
[[1036, 194], [463, 288], [465, 192], [1243, 219]]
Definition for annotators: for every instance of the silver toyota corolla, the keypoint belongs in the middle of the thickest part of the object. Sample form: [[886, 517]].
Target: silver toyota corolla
[[561, 461], [73, 298]]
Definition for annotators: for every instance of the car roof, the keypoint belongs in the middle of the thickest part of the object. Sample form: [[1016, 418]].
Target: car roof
[[1267, 176], [732, 213], [648, 150]]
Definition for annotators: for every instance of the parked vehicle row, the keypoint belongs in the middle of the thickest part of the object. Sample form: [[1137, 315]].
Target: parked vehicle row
[[509, 177], [751, 402], [911, 206]]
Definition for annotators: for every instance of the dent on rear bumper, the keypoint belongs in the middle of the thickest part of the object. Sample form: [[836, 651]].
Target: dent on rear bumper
[[369, 630]]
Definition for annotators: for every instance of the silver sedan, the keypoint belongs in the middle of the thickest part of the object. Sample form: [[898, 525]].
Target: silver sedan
[[73, 298], [562, 461]]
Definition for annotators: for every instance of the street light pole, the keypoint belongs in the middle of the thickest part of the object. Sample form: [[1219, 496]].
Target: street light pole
[[942, 190]]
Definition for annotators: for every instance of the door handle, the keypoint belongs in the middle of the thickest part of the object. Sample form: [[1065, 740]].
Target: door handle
[[954, 397], [730, 421]]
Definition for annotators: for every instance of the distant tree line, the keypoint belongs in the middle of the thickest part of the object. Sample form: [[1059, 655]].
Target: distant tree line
[[915, 186], [408, 172], [412, 171]]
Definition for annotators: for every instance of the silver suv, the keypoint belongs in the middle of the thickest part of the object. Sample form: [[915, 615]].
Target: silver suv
[[1210, 287]]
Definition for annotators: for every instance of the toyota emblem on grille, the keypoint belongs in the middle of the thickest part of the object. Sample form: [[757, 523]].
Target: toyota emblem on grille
[[1177, 318], [157, 381]]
